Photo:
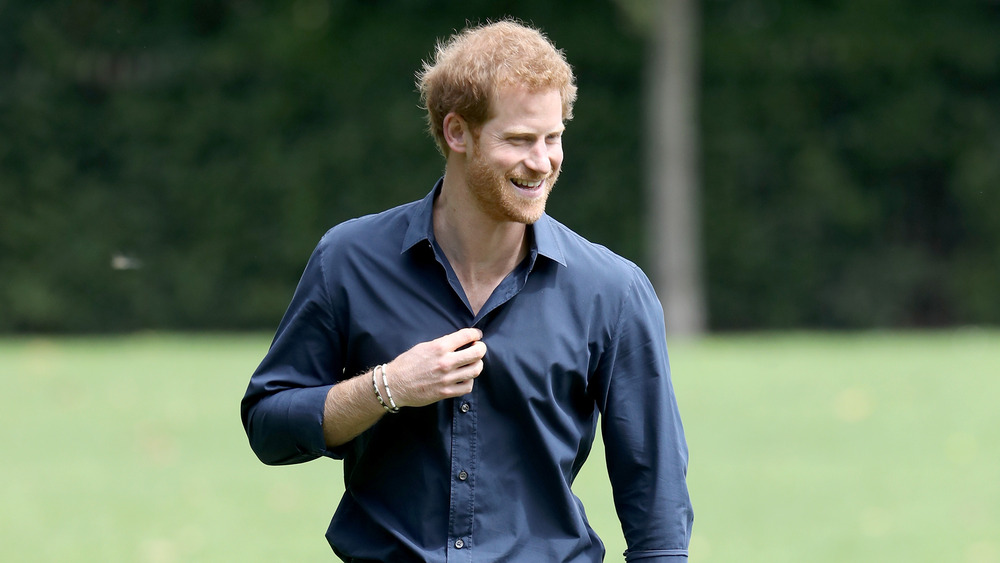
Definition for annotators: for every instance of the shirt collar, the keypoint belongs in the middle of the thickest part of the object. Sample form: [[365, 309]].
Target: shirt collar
[[544, 239], [421, 226]]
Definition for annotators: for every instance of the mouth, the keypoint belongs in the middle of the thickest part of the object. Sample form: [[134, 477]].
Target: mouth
[[529, 188]]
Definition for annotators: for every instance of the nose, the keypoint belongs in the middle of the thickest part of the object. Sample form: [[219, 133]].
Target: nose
[[540, 159]]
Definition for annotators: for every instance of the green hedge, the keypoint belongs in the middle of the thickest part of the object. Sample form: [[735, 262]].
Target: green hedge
[[171, 165], [852, 163]]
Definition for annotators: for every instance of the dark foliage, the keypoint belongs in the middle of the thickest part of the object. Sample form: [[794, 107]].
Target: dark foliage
[[170, 165], [852, 163]]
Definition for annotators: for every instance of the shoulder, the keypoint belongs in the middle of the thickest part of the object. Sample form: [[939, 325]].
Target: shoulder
[[590, 277], [585, 259], [367, 234], [611, 292]]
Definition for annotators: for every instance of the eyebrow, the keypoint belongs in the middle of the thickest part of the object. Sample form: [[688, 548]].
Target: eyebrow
[[531, 132]]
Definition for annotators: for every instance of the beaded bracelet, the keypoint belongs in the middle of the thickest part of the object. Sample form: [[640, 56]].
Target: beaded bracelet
[[388, 393], [378, 394]]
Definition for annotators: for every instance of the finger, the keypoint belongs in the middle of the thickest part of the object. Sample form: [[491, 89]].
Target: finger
[[460, 338], [460, 388], [468, 372], [470, 354]]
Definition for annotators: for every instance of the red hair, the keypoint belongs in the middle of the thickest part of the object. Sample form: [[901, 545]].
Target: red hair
[[474, 64]]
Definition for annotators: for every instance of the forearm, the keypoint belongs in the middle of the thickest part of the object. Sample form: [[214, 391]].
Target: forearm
[[351, 408], [425, 374]]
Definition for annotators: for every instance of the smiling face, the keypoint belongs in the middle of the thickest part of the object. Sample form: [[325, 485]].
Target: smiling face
[[514, 161]]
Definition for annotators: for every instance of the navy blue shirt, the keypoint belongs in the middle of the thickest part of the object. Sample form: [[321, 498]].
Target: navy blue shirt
[[574, 337]]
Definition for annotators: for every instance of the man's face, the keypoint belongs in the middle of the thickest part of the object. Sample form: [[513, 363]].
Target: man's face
[[514, 162]]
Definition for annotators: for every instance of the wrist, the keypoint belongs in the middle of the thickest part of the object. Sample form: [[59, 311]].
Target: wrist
[[383, 392]]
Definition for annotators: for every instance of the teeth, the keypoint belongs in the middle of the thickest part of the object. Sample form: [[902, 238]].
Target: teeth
[[524, 184]]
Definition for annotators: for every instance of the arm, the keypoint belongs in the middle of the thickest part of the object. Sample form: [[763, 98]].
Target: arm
[[644, 440], [283, 405], [425, 374], [298, 406]]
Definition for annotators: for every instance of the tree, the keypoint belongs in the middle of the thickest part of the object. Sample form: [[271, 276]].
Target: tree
[[674, 219]]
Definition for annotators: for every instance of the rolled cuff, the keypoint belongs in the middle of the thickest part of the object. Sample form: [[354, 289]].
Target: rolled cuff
[[287, 427], [658, 556], [305, 419]]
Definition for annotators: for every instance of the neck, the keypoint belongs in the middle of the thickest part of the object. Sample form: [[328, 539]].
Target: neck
[[481, 249], [474, 242]]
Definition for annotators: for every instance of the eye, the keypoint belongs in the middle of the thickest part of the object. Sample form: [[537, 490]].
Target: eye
[[554, 138]]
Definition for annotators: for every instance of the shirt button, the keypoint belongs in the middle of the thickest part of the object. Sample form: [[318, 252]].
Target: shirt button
[[465, 407], [459, 544], [462, 476]]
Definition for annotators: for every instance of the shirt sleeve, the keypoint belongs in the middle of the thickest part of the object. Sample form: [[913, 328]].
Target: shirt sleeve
[[282, 409], [644, 439]]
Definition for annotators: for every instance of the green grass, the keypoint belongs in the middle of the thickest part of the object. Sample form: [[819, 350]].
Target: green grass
[[804, 447]]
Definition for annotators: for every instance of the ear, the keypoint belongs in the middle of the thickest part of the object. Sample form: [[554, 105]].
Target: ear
[[456, 132]]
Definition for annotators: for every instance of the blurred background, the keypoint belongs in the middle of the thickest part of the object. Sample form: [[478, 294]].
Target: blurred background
[[170, 165], [812, 185]]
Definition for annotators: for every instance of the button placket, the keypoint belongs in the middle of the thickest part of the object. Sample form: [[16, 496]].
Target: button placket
[[463, 459]]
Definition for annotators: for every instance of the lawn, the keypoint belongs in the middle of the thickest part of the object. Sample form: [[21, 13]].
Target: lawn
[[877, 447]]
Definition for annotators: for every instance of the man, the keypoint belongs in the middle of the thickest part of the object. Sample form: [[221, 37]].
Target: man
[[458, 352]]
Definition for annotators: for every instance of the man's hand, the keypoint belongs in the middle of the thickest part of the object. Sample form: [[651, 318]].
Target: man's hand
[[439, 369]]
